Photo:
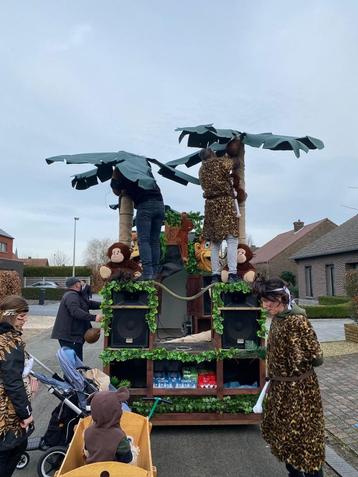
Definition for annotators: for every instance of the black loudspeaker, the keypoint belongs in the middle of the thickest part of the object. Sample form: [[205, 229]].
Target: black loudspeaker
[[128, 298], [238, 299], [240, 328], [129, 328]]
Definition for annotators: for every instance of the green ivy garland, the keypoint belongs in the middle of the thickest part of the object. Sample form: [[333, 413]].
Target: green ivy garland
[[217, 303], [172, 218], [191, 266], [242, 403], [124, 354], [130, 286]]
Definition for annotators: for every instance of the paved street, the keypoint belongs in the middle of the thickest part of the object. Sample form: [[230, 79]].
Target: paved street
[[239, 450]]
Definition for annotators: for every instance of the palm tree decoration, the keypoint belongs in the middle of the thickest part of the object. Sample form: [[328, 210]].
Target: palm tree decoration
[[220, 140], [134, 167]]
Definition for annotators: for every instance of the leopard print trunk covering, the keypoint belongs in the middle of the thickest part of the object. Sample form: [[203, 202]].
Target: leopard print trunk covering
[[220, 218], [293, 421], [8, 418]]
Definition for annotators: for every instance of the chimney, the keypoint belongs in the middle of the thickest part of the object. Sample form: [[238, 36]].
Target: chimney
[[298, 225]]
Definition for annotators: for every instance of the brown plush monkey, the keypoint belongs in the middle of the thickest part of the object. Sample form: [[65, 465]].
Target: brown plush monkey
[[245, 270], [120, 266]]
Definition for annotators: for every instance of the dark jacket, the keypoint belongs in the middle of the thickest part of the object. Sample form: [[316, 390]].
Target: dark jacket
[[14, 403], [138, 195], [73, 318]]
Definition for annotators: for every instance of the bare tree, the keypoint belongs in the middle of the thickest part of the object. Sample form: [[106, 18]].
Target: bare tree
[[96, 252], [59, 258]]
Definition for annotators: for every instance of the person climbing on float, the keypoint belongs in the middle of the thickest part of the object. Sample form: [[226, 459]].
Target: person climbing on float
[[221, 221]]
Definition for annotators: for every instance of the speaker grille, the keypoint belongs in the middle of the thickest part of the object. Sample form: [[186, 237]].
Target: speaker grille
[[235, 299], [129, 328], [240, 328]]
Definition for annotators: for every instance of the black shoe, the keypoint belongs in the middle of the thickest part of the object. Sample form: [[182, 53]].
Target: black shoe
[[233, 278], [216, 278]]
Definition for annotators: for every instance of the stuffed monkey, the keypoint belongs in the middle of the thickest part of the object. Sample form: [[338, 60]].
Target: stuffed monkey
[[245, 270], [120, 266]]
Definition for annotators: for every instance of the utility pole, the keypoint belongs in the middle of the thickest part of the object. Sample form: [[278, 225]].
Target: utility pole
[[74, 246]]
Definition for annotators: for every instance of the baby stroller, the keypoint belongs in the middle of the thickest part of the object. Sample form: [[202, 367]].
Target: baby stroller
[[72, 391]]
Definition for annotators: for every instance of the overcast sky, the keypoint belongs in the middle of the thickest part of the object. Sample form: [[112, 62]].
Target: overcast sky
[[90, 76]]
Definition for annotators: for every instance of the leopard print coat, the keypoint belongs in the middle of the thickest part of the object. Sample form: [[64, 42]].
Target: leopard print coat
[[293, 422], [220, 218], [12, 361]]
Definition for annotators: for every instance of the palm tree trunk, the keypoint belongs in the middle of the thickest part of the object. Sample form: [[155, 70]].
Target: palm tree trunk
[[239, 171], [125, 219]]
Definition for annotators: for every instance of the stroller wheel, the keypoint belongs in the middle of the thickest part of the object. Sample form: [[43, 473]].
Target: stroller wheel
[[24, 460], [51, 461]]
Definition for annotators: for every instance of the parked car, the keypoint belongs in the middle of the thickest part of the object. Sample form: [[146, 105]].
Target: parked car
[[46, 285]]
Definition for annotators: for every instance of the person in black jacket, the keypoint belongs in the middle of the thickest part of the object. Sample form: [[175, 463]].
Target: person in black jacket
[[73, 318], [149, 219], [15, 408], [86, 289]]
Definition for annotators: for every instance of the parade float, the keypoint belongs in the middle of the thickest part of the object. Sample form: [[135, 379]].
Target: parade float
[[214, 374]]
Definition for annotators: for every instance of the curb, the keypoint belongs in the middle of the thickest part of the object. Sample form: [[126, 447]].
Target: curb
[[338, 463]]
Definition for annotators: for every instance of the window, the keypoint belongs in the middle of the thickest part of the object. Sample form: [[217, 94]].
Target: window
[[351, 266], [330, 280], [3, 247], [308, 281]]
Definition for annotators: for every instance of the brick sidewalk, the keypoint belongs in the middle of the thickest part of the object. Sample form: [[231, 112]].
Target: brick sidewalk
[[338, 379]]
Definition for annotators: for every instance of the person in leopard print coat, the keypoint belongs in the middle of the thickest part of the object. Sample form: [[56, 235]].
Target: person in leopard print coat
[[15, 409], [293, 421], [221, 220]]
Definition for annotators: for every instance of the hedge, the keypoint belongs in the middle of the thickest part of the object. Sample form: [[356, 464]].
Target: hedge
[[56, 271], [332, 300], [328, 311], [10, 283], [50, 293]]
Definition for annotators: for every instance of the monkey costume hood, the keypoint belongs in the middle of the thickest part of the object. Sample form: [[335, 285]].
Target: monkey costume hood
[[103, 436]]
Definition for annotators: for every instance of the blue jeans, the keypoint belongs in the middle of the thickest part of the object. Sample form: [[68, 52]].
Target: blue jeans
[[149, 220], [77, 347]]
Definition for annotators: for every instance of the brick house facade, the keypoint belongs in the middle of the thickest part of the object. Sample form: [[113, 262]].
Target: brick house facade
[[6, 244], [275, 256], [8, 260], [322, 265]]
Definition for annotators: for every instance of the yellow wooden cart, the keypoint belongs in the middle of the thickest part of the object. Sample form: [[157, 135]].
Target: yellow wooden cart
[[133, 425]]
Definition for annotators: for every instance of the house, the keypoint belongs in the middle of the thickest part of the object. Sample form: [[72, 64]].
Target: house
[[8, 260], [35, 262], [322, 265], [275, 256]]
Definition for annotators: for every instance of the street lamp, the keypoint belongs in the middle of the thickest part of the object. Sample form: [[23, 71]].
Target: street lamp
[[74, 246]]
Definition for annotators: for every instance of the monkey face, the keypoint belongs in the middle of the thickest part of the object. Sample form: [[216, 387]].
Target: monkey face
[[203, 255], [117, 255], [241, 255]]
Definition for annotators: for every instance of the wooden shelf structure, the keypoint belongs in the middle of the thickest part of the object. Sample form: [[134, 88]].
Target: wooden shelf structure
[[245, 371]]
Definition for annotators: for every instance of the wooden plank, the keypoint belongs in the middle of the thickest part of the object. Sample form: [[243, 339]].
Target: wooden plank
[[131, 307], [220, 378], [239, 308], [204, 419], [138, 391], [150, 375], [184, 392], [236, 391]]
